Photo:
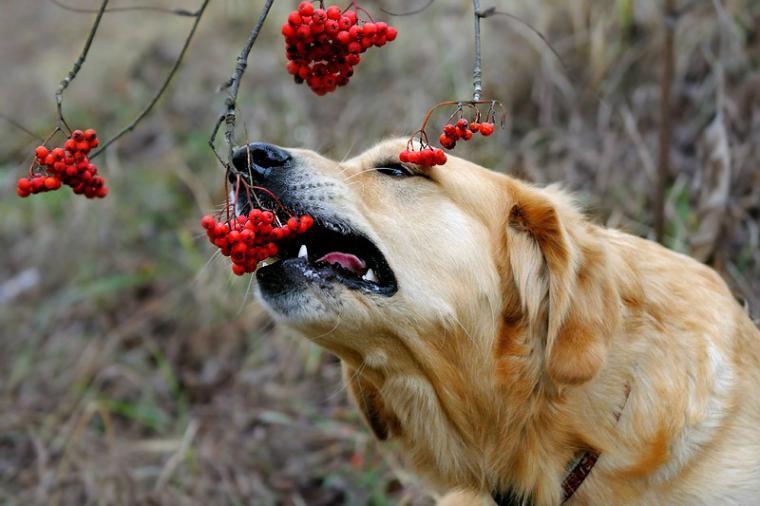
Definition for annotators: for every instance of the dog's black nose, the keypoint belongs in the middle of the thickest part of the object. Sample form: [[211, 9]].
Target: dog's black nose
[[260, 159]]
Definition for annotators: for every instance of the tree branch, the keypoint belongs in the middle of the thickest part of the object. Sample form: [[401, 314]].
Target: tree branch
[[666, 85], [176, 12], [477, 73], [491, 11], [77, 65], [198, 16], [19, 126], [408, 13], [229, 118]]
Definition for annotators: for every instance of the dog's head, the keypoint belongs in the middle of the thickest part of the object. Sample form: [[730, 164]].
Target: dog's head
[[451, 274]]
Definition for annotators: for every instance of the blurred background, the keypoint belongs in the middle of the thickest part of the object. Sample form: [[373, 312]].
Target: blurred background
[[134, 370]]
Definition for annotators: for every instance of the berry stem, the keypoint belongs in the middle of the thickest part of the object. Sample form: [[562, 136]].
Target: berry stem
[[362, 9], [274, 198], [77, 66]]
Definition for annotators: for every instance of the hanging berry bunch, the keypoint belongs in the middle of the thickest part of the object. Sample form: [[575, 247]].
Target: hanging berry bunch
[[68, 166], [324, 45], [250, 239], [426, 155], [457, 128]]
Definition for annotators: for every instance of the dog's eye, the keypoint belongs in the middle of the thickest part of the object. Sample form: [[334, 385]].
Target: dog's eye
[[395, 170]]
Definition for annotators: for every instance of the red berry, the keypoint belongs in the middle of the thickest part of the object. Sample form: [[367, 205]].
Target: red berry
[[288, 31], [486, 129], [305, 9], [295, 19], [344, 37], [306, 222], [391, 34], [319, 16], [462, 123], [24, 185], [333, 12], [52, 183], [208, 222], [345, 23], [332, 27], [238, 270], [41, 152]]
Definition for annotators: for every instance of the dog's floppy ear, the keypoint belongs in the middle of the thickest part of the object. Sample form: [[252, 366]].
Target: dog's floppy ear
[[562, 274], [370, 402]]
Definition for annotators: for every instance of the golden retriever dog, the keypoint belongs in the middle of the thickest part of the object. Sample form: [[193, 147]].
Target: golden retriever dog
[[512, 349]]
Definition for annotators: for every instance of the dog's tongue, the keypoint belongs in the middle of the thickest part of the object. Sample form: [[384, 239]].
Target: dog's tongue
[[346, 260]]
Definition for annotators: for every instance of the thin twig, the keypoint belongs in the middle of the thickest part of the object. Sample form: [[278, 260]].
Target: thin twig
[[477, 73], [408, 13], [78, 64], [666, 85], [176, 12], [491, 11], [21, 127], [164, 86], [233, 85]]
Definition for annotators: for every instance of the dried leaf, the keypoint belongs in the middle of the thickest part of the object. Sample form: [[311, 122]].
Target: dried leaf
[[714, 187]]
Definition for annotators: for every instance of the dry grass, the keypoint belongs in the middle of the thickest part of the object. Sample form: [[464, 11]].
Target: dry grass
[[136, 371]]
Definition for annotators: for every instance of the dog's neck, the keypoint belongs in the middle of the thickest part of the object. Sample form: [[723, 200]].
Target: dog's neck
[[517, 433]]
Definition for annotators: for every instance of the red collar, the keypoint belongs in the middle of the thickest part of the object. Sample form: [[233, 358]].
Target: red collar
[[572, 482]]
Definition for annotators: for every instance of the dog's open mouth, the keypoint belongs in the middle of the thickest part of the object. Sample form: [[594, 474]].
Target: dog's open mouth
[[328, 252]]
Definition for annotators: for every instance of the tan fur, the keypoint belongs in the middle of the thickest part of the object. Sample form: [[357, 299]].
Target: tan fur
[[522, 333]]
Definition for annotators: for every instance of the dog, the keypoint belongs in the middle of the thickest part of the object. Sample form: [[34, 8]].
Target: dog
[[515, 351]]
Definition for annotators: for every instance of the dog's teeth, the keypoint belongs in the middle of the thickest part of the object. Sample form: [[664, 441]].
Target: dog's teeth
[[303, 252], [370, 276]]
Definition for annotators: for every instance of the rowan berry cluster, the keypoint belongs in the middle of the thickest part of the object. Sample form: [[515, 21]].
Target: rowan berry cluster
[[248, 240], [323, 45], [463, 130], [68, 165], [428, 156]]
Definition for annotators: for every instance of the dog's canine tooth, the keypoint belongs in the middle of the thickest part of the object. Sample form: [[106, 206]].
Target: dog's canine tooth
[[303, 252], [370, 276]]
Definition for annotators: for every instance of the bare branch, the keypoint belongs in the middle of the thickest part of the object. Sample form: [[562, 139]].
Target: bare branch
[[19, 126], [233, 85], [176, 12], [666, 85], [78, 64], [198, 16], [491, 11], [408, 13]]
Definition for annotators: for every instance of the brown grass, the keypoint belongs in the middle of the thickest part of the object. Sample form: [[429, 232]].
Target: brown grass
[[134, 371]]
